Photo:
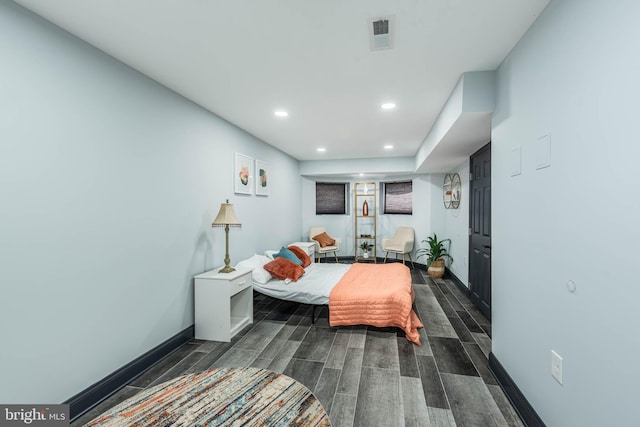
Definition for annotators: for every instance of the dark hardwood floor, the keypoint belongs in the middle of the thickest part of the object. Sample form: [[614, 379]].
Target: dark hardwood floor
[[364, 376]]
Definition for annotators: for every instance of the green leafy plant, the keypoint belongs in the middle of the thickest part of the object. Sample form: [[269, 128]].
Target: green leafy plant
[[435, 249], [366, 246]]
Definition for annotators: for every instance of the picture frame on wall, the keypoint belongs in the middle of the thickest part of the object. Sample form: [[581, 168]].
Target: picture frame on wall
[[263, 182], [242, 178]]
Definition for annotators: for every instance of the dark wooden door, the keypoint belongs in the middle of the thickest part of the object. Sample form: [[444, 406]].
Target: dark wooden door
[[480, 230]]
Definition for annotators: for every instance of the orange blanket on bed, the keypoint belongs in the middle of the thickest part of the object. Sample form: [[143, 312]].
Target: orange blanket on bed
[[377, 295]]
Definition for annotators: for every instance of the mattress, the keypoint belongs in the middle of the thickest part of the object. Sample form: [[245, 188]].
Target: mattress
[[313, 287]]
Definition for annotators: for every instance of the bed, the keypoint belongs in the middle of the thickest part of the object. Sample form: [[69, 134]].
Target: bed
[[312, 288], [370, 294]]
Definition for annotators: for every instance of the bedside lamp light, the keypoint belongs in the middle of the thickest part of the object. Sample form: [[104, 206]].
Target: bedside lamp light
[[226, 218]]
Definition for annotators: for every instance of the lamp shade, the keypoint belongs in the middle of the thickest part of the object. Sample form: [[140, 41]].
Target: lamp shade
[[226, 216]]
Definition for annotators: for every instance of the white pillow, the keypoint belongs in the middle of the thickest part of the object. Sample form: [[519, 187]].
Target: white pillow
[[255, 263], [269, 254]]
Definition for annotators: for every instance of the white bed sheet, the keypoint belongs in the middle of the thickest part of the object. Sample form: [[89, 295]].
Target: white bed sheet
[[312, 288]]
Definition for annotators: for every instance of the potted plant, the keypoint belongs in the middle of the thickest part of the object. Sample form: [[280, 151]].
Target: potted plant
[[435, 253], [365, 246]]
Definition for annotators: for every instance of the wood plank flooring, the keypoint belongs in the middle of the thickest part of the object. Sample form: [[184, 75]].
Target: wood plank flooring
[[364, 376]]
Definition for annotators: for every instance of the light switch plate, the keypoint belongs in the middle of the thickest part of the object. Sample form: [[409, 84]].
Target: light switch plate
[[556, 366], [543, 152]]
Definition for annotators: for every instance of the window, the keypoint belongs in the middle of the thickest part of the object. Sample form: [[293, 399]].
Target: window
[[331, 198], [398, 197]]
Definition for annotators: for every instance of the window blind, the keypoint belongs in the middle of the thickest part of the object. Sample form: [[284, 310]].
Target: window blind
[[331, 198], [398, 198]]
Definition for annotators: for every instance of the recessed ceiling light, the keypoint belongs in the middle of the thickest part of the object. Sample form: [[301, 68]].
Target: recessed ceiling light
[[361, 174], [281, 113], [388, 147], [321, 149], [388, 106]]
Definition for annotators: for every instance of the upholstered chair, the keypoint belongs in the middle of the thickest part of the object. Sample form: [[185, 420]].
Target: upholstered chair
[[328, 248], [400, 244]]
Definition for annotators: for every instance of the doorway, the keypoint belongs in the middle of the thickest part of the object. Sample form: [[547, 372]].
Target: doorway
[[480, 230]]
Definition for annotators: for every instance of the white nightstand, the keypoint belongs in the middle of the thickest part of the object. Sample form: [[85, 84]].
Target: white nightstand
[[223, 304], [308, 247]]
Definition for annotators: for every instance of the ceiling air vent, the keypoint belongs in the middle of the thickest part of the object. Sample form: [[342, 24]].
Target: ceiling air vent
[[380, 33]]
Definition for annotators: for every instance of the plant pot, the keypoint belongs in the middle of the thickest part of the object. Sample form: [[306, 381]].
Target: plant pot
[[365, 255], [436, 268]]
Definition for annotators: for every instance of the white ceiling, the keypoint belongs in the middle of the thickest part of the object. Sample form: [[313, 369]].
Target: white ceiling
[[244, 59]]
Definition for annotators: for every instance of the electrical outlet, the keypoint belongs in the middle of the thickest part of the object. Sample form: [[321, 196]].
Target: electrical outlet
[[556, 366]]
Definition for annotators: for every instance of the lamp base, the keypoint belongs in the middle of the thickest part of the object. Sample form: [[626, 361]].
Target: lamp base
[[226, 269]]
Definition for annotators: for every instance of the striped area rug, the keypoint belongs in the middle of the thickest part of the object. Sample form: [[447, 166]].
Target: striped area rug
[[221, 397]]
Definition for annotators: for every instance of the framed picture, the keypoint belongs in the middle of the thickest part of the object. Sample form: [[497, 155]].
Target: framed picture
[[242, 179], [262, 178]]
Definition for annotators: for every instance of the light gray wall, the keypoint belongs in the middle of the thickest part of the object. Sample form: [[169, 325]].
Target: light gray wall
[[350, 167], [109, 183], [574, 76], [427, 199], [457, 226], [479, 94]]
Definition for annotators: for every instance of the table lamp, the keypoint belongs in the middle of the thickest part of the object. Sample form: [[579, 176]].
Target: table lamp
[[226, 218]]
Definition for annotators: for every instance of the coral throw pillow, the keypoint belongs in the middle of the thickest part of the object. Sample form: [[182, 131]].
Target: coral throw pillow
[[301, 254], [282, 268], [324, 240]]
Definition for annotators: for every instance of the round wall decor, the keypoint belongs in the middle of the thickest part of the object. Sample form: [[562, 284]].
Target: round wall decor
[[451, 191]]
